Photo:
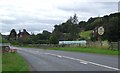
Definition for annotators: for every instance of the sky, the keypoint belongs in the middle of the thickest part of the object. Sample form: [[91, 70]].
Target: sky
[[38, 15]]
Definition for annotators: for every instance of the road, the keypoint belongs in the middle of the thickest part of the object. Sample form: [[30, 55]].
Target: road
[[51, 60]]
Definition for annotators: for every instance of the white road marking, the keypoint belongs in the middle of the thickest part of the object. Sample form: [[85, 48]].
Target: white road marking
[[83, 61], [54, 55], [104, 66], [60, 56]]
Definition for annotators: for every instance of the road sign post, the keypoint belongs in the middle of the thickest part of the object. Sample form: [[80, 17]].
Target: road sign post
[[101, 30], [100, 33]]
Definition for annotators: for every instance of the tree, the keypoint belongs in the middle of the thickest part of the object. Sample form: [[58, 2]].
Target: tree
[[82, 24], [68, 30], [112, 29], [75, 19], [53, 39], [46, 35]]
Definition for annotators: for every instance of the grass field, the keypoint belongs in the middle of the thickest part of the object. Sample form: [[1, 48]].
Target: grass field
[[96, 50], [85, 34], [0, 60], [87, 50], [13, 62]]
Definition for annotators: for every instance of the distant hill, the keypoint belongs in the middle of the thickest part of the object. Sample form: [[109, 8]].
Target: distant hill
[[71, 28]]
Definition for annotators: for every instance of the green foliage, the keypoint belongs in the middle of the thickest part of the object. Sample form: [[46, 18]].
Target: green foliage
[[3, 40], [41, 38], [46, 35], [54, 40], [68, 30], [82, 24], [112, 28], [109, 22], [86, 34]]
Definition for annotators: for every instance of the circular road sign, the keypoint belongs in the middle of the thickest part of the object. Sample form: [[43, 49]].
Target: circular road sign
[[101, 30]]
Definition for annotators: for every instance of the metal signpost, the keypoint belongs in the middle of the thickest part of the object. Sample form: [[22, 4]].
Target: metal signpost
[[100, 33]]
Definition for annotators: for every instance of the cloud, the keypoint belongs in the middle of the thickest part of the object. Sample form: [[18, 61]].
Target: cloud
[[39, 15], [91, 8]]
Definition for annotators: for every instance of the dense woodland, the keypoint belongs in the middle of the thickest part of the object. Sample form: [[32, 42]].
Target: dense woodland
[[71, 29]]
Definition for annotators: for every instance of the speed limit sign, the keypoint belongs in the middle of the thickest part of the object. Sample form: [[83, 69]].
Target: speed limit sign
[[101, 30]]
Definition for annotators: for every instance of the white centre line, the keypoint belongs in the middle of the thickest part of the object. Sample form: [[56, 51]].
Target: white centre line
[[83, 61], [53, 55]]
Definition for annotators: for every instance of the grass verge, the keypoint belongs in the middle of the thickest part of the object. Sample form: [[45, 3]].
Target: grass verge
[[13, 62], [87, 50], [102, 50], [0, 60]]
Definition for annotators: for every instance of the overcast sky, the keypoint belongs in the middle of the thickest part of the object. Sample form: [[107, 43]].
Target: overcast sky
[[38, 15]]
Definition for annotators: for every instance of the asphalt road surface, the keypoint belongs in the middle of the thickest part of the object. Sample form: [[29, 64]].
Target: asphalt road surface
[[51, 60]]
